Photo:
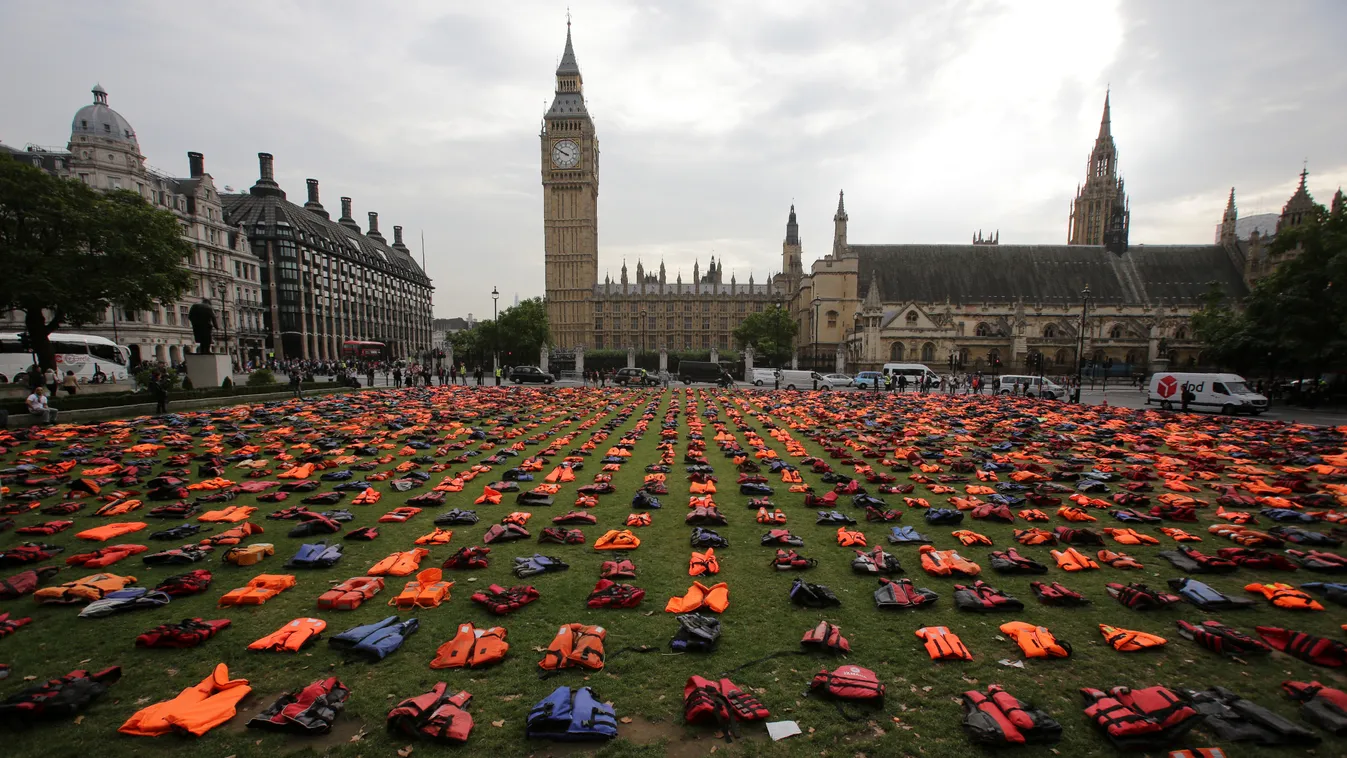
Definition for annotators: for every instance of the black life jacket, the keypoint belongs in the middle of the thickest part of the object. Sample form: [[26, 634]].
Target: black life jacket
[[1206, 597], [1139, 597], [999, 719], [1196, 562], [56, 698], [1325, 707], [365, 533], [1235, 719], [826, 637], [1011, 562], [191, 583], [943, 516], [877, 561], [1318, 560], [709, 538], [812, 595], [697, 633], [781, 537], [901, 594], [1057, 594], [1070, 536], [981, 597]]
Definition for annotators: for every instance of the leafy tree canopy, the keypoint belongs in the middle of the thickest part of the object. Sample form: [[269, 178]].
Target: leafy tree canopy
[[517, 336], [67, 253], [771, 334], [1294, 319]]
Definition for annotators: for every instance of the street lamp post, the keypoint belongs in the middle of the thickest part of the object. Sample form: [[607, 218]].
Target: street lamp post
[[495, 332], [1080, 337], [817, 302], [642, 352]]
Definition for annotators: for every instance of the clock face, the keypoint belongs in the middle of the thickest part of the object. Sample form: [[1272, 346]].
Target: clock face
[[565, 154]]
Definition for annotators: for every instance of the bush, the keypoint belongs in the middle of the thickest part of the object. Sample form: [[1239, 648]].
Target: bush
[[174, 378], [261, 377], [187, 383], [227, 383]]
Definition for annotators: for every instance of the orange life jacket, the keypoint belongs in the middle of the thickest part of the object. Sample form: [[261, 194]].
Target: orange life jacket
[[427, 590], [614, 539], [437, 537], [85, 590], [110, 531], [575, 646], [1035, 536], [233, 536], [232, 514], [292, 637], [638, 519], [348, 595], [1130, 537], [517, 517], [1071, 513], [1118, 560], [946, 563], [850, 537], [1035, 641], [1072, 559], [196, 710], [1128, 641], [118, 507], [367, 496], [704, 563], [943, 645], [249, 555], [399, 564], [259, 589], [968, 538], [1179, 535], [1032, 514], [489, 495], [472, 647], [1281, 595], [774, 516]]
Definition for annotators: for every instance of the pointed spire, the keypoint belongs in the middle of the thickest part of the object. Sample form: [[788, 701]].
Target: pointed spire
[[872, 301], [1338, 201], [792, 228], [841, 214], [568, 64], [1304, 174], [1105, 128]]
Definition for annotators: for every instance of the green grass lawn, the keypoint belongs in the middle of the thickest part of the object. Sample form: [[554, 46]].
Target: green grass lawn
[[921, 716]]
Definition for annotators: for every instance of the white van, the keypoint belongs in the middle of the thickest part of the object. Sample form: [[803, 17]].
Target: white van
[[913, 371], [1226, 393], [799, 379], [762, 376], [1033, 386]]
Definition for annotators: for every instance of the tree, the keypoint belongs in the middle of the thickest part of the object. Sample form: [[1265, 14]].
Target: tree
[[68, 253], [517, 336], [771, 334], [1295, 317]]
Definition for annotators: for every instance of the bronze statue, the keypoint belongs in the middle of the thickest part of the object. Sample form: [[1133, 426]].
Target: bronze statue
[[202, 317]]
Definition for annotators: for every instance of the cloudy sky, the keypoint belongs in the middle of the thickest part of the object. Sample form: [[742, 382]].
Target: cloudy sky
[[937, 118]]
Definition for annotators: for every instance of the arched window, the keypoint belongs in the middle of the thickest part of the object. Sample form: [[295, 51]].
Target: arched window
[[896, 352], [1116, 333], [963, 356], [1063, 357], [983, 329], [911, 318], [1181, 333], [1133, 357], [1050, 331], [832, 319], [928, 352]]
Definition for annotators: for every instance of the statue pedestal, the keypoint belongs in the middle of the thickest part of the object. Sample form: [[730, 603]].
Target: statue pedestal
[[207, 370]]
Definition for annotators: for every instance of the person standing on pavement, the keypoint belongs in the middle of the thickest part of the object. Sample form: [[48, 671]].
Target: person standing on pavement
[[69, 383], [453, 374], [296, 384], [49, 379], [498, 376], [159, 389]]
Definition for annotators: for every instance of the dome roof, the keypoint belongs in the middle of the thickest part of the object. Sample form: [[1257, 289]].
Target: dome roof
[[98, 120]]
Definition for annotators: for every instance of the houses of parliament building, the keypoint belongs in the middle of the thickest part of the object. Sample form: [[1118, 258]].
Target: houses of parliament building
[[967, 306]]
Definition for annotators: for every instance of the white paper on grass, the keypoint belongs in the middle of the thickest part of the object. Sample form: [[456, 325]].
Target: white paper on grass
[[780, 730]]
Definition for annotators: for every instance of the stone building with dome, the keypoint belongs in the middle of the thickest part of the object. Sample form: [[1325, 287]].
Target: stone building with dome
[[327, 282]]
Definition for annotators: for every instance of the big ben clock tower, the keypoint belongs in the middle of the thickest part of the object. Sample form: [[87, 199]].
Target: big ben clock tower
[[570, 173]]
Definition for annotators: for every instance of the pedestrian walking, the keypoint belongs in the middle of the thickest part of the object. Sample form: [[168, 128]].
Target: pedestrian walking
[[69, 383]]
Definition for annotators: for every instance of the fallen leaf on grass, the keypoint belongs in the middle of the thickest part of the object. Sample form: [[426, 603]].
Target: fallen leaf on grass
[[142, 700], [86, 660], [508, 698], [498, 724], [404, 752], [171, 672], [358, 736], [625, 719], [926, 688], [79, 719], [29, 678], [539, 649], [811, 730]]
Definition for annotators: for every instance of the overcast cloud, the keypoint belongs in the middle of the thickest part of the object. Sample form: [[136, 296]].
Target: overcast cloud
[[937, 118]]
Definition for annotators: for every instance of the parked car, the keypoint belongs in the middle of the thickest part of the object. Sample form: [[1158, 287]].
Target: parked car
[[799, 379], [637, 376], [866, 380], [762, 376], [834, 381], [1033, 386], [521, 374]]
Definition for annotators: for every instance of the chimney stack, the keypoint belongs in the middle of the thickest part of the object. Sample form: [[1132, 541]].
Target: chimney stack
[[346, 219], [397, 236], [373, 232], [197, 165], [266, 182], [313, 205]]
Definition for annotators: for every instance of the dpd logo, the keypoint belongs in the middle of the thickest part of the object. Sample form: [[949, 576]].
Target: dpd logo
[[1167, 387]]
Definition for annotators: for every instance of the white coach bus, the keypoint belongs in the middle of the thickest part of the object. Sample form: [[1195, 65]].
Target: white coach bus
[[81, 353]]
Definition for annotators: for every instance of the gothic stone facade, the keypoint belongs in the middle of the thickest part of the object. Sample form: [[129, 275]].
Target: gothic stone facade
[[968, 306], [648, 313]]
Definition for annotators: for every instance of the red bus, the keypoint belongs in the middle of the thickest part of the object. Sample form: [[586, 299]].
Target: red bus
[[360, 349]]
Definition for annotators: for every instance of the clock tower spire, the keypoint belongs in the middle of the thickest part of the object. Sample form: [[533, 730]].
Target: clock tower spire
[[570, 179]]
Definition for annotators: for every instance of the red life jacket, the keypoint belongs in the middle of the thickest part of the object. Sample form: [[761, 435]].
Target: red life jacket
[[1219, 638], [25, 582], [720, 703], [434, 716], [1320, 651], [1139, 597], [471, 557], [997, 718], [1146, 719], [623, 569], [827, 637], [849, 683], [184, 634], [789, 560], [1057, 594], [609, 594]]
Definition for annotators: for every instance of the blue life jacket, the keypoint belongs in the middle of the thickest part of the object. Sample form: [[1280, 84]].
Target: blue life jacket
[[1200, 594], [753, 488], [537, 564], [1285, 515], [1334, 591], [316, 555], [943, 516], [571, 716], [645, 502], [904, 534], [375, 640]]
